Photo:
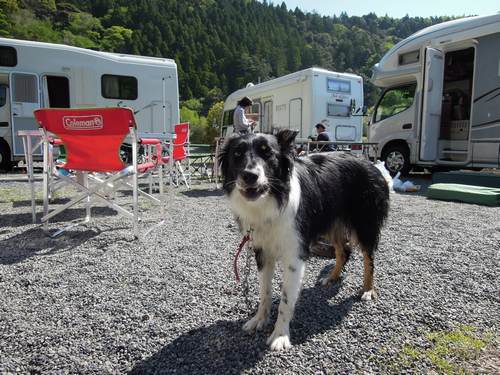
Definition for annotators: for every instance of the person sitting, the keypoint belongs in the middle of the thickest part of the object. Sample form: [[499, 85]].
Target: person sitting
[[323, 136], [242, 124]]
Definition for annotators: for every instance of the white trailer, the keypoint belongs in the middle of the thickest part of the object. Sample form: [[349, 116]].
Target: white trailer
[[440, 107], [302, 99], [34, 75]]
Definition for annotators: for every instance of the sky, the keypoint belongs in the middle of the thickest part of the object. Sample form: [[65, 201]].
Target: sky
[[396, 8]]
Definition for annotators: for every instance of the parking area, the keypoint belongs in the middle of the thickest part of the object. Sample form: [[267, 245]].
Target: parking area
[[96, 301]]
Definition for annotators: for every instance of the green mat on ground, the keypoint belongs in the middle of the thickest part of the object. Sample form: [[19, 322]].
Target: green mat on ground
[[465, 193], [467, 178]]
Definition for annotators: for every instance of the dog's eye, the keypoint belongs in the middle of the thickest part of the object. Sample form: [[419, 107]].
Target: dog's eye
[[237, 154], [264, 148]]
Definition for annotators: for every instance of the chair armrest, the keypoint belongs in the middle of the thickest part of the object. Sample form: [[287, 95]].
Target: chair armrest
[[149, 141], [55, 141]]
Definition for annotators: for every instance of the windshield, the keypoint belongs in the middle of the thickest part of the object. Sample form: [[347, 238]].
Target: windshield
[[394, 101]]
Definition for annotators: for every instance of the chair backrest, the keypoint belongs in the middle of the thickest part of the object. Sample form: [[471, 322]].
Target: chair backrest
[[92, 136], [181, 139]]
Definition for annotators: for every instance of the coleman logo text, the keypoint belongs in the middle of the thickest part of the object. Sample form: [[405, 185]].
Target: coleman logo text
[[90, 122]]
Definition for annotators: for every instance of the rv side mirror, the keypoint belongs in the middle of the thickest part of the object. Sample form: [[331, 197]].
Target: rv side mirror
[[365, 110]]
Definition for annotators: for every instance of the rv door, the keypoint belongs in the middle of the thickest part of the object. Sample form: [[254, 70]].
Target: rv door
[[267, 126], [432, 101], [25, 98]]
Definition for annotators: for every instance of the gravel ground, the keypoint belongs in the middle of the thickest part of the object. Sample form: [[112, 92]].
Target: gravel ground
[[96, 301]]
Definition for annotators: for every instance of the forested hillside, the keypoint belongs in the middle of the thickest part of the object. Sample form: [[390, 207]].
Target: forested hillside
[[219, 45]]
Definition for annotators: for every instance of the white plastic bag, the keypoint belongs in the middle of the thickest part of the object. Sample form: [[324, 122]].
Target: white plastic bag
[[406, 186], [397, 184]]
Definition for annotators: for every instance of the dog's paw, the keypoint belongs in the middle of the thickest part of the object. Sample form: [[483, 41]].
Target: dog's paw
[[328, 280], [255, 324], [369, 295], [279, 341], [325, 281]]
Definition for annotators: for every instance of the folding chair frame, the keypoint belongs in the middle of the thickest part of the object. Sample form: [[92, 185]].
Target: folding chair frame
[[111, 182]]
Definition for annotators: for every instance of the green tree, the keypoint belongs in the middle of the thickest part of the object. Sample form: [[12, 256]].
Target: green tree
[[116, 38], [214, 119]]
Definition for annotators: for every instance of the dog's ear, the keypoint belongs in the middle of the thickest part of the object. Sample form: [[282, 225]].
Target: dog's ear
[[285, 138]]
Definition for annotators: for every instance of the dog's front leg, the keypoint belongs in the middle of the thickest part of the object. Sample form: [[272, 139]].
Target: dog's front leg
[[292, 278], [265, 265]]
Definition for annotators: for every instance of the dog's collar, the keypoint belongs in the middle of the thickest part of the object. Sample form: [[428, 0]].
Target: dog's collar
[[246, 238]]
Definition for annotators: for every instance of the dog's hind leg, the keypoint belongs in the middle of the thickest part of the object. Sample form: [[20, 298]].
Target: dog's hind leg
[[265, 265], [368, 289], [293, 271], [338, 239]]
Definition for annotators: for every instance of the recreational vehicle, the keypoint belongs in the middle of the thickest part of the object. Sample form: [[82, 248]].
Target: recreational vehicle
[[34, 75], [440, 105], [302, 99]]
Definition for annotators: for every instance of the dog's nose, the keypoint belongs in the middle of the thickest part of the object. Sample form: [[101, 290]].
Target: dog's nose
[[249, 177]]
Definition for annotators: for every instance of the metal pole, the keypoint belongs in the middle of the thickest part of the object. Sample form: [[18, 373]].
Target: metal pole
[[163, 101], [134, 183], [46, 172]]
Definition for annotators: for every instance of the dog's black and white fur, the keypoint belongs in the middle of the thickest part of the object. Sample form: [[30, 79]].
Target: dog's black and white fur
[[288, 202]]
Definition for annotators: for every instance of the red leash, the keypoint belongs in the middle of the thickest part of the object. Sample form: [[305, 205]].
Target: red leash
[[245, 239]]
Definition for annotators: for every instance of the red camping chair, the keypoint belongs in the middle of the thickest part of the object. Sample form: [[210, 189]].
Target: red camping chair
[[92, 138], [178, 152]]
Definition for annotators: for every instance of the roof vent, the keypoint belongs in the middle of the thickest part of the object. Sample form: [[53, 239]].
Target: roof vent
[[249, 84]]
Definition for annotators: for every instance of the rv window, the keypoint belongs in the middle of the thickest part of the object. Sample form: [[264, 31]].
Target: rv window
[[25, 88], [409, 58], [8, 56], [118, 87], [228, 118], [394, 101], [58, 90], [338, 85], [338, 110], [3, 95]]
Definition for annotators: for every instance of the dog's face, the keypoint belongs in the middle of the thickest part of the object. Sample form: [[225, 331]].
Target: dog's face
[[256, 165]]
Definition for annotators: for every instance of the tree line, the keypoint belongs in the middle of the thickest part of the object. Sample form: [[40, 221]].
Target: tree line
[[219, 45]]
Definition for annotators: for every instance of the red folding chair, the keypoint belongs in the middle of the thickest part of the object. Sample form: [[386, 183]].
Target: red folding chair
[[92, 138], [179, 151]]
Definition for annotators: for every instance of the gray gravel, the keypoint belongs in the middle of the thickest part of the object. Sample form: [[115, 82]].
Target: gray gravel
[[95, 301]]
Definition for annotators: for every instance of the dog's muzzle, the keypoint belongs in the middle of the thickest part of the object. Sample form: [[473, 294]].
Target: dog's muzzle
[[249, 185]]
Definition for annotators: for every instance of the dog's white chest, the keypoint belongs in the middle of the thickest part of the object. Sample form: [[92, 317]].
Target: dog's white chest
[[273, 229]]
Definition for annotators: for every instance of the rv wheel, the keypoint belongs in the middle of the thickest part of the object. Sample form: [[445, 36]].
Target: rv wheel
[[5, 162], [397, 159]]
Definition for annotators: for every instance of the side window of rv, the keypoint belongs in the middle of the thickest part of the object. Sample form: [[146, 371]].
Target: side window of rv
[[228, 118], [3, 95], [409, 58], [119, 87], [394, 101], [337, 110], [338, 85], [8, 56]]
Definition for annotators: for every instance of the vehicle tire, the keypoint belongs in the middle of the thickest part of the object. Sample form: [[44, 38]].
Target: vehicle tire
[[5, 162], [397, 159]]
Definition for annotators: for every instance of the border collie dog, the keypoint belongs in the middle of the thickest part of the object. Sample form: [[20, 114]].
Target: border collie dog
[[287, 202]]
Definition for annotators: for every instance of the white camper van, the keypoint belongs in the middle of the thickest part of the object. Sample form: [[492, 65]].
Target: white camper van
[[440, 106], [34, 75], [302, 99]]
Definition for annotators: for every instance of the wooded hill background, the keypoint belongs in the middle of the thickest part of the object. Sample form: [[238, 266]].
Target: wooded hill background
[[219, 45]]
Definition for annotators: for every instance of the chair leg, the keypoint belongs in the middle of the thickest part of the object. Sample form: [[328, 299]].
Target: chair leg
[[162, 208], [46, 182], [181, 170], [85, 180], [134, 188]]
